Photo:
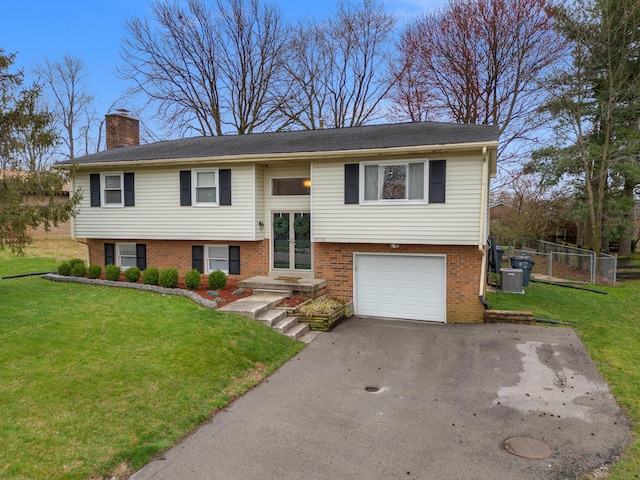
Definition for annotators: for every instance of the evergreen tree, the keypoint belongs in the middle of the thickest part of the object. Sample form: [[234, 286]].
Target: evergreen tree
[[31, 194]]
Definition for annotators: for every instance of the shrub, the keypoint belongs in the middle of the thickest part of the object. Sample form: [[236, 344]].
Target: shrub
[[217, 280], [74, 261], [132, 274], [112, 272], [64, 269], [150, 276], [192, 279], [79, 269], [94, 271], [168, 278]]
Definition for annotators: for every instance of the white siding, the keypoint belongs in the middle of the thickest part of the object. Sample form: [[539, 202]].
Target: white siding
[[157, 213], [456, 222], [259, 202]]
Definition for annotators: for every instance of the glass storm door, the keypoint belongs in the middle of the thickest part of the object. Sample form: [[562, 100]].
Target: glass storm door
[[291, 240]]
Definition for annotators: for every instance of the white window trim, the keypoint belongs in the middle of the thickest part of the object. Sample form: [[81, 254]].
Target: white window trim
[[119, 255], [103, 186], [206, 257], [194, 187], [379, 201]]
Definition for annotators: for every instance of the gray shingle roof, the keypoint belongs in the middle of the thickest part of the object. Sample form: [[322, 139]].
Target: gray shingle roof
[[326, 140]]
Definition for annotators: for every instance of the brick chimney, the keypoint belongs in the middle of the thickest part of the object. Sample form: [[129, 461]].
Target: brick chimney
[[122, 130]]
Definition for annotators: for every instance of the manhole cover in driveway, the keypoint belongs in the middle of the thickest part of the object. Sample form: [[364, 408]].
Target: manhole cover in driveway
[[527, 447]]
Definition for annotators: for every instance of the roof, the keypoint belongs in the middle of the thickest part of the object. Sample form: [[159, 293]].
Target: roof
[[325, 140]]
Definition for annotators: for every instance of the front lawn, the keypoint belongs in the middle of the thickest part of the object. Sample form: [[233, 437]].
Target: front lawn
[[95, 381], [609, 326]]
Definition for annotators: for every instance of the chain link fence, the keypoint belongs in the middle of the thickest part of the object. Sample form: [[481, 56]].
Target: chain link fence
[[557, 262]]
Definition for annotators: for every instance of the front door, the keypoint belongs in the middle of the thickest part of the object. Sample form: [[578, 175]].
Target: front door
[[291, 240]]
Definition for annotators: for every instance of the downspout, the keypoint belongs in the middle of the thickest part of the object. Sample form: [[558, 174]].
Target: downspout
[[483, 219]]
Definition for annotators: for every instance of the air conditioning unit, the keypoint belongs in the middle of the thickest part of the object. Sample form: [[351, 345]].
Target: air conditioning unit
[[511, 280]]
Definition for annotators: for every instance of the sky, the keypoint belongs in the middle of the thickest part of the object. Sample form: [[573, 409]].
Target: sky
[[92, 30]]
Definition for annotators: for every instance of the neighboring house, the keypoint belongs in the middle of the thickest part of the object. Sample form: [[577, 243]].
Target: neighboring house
[[394, 217]]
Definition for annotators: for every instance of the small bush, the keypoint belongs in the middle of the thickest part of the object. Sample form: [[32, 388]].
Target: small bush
[[79, 269], [192, 279], [168, 278], [151, 276], [94, 271], [74, 261], [217, 280], [132, 274], [64, 269], [112, 272]]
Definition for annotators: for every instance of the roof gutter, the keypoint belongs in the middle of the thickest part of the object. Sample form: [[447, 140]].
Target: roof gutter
[[297, 156]]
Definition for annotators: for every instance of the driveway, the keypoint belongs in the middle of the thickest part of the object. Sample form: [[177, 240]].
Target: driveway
[[448, 396]]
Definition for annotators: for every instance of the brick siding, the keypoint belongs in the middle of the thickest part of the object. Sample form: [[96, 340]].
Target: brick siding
[[334, 263], [254, 256]]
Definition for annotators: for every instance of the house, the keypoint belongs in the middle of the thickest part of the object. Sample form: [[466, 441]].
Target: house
[[394, 217]]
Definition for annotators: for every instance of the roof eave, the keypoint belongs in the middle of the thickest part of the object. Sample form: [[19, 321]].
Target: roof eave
[[271, 157]]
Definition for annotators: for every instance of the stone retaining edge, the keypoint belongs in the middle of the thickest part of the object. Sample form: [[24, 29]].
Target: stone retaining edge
[[194, 297]]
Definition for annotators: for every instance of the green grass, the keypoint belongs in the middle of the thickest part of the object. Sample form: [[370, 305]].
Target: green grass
[[95, 381], [609, 326]]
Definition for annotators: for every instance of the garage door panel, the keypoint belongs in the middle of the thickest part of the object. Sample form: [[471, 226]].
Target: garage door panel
[[401, 286]]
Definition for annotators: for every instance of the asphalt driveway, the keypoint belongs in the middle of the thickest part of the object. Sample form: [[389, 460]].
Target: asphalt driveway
[[378, 399]]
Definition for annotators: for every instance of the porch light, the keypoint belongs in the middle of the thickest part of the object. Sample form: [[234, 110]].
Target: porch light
[[307, 183]]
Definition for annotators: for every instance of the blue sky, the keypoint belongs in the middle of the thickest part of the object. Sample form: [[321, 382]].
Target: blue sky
[[93, 29]]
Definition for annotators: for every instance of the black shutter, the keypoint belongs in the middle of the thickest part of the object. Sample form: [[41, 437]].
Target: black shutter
[[185, 188], [109, 254], [351, 183], [197, 258], [141, 255], [94, 189], [129, 195], [224, 176], [437, 180], [234, 260]]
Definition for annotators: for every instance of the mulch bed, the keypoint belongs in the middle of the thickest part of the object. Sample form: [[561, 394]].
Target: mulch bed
[[226, 293]]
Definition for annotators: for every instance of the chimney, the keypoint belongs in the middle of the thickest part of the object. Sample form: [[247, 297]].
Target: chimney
[[122, 130]]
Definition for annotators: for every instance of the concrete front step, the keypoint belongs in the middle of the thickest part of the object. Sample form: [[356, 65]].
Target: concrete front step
[[271, 317], [270, 291], [285, 324], [298, 331], [253, 306]]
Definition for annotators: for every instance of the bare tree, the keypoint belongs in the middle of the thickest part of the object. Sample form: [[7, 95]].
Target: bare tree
[[478, 62], [338, 67], [65, 82], [530, 210], [208, 69]]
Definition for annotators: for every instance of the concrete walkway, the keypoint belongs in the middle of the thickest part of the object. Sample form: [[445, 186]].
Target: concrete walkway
[[442, 400]]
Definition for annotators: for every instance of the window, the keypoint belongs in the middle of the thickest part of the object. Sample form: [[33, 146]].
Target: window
[[216, 258], [290, 186], [393, 182], [112, 189], [205, 187], [210, 187], [126, 255]]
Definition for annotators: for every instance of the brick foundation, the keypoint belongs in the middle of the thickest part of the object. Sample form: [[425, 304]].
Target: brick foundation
[[334, 263], [254, 256]]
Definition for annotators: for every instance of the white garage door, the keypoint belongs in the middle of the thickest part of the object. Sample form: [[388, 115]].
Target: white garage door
[[400, 286]]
